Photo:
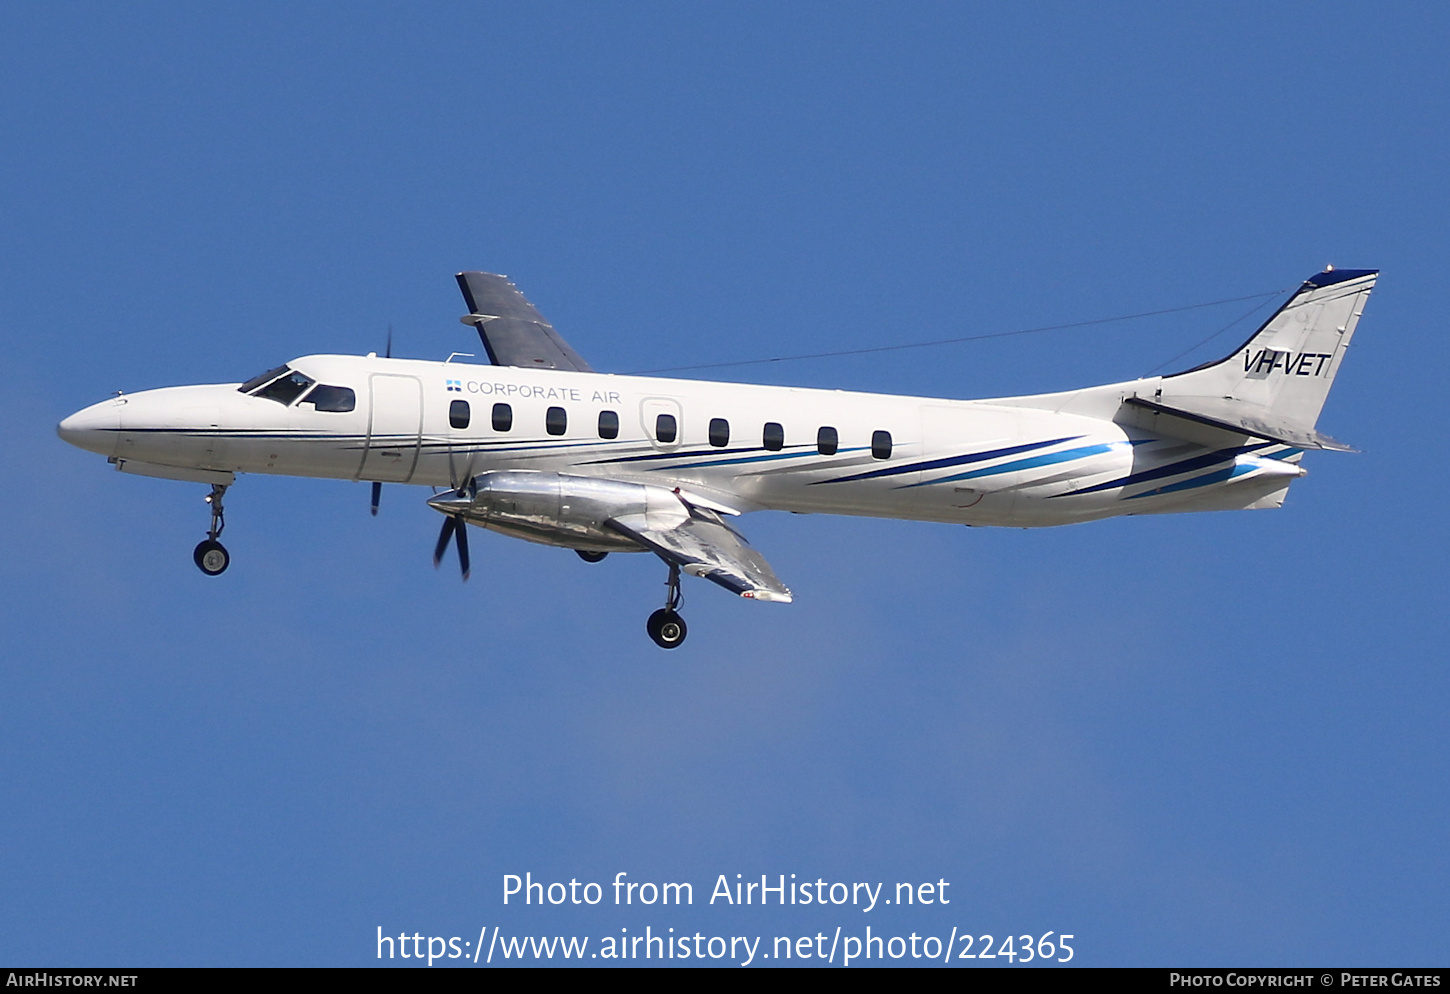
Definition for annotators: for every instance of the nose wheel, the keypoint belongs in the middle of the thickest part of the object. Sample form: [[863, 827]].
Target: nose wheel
[[210, 556], [665, 626]]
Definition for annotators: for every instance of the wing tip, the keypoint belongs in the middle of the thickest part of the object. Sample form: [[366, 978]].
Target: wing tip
[[772, 596]]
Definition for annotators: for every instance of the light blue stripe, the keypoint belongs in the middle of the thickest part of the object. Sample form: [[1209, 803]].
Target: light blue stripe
[[1067, 455], [1217, 476], [730, 462]]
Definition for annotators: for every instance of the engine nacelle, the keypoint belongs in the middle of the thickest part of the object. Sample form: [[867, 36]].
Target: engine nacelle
[[567, 511]]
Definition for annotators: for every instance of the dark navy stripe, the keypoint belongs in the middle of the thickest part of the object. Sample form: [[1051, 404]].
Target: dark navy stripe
[[693, 453], [1333, 276], [744, 459], [1218, 476], [1031, 462], [234, 433], [1172, 469], [948, 461]]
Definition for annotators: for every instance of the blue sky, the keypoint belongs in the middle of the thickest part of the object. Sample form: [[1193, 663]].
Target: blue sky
[[1214, 739]]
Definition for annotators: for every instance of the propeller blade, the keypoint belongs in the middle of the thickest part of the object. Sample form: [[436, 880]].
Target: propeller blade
[[377, 496], [449, 523], [461, 533]]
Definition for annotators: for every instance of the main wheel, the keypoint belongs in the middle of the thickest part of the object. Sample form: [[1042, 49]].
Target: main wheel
[[211, 557], [666, 628], [590, 557]]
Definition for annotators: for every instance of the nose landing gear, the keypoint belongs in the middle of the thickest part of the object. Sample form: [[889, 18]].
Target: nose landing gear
[[211, 556], [665, 626]]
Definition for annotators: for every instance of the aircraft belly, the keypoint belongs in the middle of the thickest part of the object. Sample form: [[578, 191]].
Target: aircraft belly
[[276, 454]]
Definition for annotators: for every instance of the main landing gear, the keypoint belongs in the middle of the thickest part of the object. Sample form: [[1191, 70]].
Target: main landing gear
[[211, 556], [666, 626]]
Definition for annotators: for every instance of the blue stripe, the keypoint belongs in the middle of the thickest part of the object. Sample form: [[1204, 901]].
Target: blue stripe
[[948, 461], [1067, 455], [1172, 469], [744, 459], [676, 455], [463, 446], [1217, 476]]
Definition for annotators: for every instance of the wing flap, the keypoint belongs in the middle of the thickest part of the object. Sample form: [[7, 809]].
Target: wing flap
[[704, 545], [513, 331]]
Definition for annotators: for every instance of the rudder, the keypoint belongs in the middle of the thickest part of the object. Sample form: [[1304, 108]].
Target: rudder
[[1284, 371]]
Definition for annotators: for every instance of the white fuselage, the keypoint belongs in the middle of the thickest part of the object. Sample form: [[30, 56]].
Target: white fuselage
[[1017, 461]]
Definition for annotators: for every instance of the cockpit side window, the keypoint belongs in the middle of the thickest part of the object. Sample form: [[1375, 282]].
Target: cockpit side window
[[287, 389], [261, 378], [338, 400]]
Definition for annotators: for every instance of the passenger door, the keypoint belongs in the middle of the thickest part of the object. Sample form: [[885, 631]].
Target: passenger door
[[395, 427]]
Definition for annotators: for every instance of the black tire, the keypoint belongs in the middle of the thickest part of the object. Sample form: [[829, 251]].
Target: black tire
[[666, 628], [211, 557], [590, 557]]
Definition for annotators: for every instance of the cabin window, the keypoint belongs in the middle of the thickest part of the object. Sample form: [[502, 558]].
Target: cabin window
[[458, 414], [608, 424], [773, 437], [503, 417], [556, 421], [666, 428], [881, 444], [719, 432], [338, 400], [827, 441], [287, 389]]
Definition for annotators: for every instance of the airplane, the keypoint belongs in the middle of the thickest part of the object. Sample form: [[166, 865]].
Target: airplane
[[541, 447]]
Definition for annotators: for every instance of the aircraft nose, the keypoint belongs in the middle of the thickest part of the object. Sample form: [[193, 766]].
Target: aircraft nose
[[93, 428]]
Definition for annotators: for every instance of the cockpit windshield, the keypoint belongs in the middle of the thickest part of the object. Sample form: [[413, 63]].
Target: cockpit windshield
[[286, 389], [261, 378]]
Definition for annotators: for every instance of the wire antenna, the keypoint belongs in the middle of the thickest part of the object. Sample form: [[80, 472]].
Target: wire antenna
[[1261, 297]]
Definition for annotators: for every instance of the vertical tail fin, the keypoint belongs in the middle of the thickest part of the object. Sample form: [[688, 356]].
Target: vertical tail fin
[[1275, 384]]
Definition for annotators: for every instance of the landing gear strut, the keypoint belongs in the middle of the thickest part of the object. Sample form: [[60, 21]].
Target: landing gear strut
[[666, 626], [211, 556]]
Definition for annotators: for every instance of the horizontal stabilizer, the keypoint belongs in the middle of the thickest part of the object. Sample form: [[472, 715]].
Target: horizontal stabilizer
[[513, 331], [1241, 419]]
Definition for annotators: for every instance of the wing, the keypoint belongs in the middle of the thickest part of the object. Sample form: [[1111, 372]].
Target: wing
[[704, 545], [512, 329]]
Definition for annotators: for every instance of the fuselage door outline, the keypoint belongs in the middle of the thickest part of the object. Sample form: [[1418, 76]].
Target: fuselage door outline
[[395, 428], [650, 409]]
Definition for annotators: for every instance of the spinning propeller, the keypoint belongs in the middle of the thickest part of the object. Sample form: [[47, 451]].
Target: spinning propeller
[[455, 525]]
